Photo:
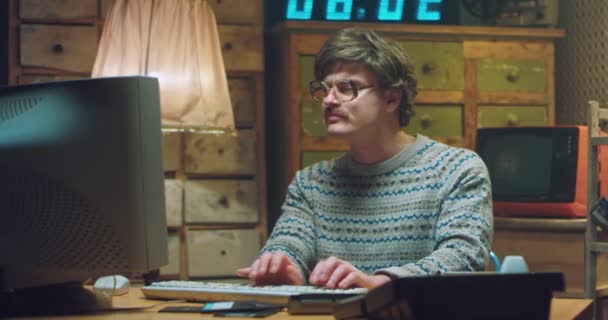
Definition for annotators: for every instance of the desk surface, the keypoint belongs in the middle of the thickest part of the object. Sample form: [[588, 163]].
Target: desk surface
[[560, 309]]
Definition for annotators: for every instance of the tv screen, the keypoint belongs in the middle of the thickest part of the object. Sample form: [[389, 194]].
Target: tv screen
[[521, 165], [81, 181], [536, 170]]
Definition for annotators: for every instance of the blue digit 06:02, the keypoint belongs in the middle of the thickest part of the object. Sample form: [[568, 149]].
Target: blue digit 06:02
[[428, 10], [387, 10], [338, 9], [299, 9], [390, 10]]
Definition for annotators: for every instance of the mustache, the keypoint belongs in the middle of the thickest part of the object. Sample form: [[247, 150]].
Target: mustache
[[334, 112]]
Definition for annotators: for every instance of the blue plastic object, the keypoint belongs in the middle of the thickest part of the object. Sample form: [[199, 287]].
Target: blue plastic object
[[495, 261]]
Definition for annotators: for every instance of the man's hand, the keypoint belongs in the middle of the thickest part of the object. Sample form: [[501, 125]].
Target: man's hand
[[335, 273], [272, 268]]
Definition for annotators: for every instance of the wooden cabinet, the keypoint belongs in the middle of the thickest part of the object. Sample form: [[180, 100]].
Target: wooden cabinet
[[59, 47], [549, 245], [468, 78], [52, 40], [215, 188], [219, 253], [438, 65]]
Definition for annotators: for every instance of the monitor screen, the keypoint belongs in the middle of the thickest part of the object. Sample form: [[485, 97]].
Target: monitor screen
[[81, 181], [533, 164], [520, 165]]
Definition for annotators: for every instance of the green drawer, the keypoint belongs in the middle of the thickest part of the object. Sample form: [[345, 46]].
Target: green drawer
[[307, 70], [437, 121], [312, 119], [310, 157], [437, 65], [492, 116], [508, 75], [312, 114]]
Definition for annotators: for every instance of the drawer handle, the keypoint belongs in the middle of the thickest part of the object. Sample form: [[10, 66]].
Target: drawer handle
[[512, 77], [227, 46], [57, 48], [425, 121], [427, 68], [512, 120], [223, 201]]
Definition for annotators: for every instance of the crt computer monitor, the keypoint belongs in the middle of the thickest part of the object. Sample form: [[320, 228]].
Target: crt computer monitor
[[81, 181], [538, 171]]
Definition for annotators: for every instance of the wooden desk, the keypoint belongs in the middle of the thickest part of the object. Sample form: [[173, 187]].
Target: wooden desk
[[571, 309], [560, 309]]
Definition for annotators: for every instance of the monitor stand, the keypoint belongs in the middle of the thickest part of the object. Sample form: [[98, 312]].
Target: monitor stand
[[59, 299]]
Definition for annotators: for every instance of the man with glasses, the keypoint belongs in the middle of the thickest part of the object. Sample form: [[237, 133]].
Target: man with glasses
[[395, 204]]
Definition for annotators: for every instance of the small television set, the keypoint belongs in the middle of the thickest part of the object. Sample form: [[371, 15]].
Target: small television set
[[81, 182], [538, 171]]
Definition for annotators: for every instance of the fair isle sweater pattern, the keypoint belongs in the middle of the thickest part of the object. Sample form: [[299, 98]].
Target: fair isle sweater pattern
[[425, 211]]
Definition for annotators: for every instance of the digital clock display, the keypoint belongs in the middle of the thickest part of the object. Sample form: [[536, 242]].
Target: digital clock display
[[412, 11]]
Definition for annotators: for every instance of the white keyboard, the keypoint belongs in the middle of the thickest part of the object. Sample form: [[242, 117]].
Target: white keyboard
[[217, 291]]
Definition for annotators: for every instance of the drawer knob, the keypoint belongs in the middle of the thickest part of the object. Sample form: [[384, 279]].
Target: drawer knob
[[227, 46], [223, 201], [512, 120], [425, 121], [57, 48], [512, 77], [427, 68]]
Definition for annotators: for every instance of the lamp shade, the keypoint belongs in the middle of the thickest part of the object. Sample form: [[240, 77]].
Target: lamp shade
[[177, 42]]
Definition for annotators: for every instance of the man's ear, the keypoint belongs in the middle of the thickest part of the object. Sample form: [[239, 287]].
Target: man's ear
[[393, 99]]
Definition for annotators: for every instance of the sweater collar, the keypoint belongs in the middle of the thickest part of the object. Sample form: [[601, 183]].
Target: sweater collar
[[347, 165]]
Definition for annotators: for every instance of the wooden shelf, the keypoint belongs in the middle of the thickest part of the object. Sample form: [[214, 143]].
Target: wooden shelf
[[540, 224]]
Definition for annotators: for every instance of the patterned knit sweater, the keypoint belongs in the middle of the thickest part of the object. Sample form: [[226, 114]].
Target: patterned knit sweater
[[427, 210]]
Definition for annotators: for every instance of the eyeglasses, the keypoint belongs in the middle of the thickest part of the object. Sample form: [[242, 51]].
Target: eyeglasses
[[346, 90]]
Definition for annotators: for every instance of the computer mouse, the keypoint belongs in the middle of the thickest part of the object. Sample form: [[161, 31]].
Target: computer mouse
[[114, 285]]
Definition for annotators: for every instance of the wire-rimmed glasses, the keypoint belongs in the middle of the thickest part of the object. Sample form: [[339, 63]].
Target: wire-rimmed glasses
[[346, 89]]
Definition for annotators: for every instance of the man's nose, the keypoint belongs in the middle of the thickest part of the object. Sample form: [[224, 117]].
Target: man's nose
[[332, 97]]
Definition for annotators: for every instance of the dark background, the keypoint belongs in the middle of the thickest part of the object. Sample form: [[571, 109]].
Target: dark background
[[4, 43]]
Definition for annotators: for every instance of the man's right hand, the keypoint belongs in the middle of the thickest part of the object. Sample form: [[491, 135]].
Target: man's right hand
[[272, 268]]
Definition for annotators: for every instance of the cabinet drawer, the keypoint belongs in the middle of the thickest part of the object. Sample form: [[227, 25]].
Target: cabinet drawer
[[57, 9], [236, 11], [216, 253], [437, 121], [174, 246], [241, 48], [220, 152], [306, 64], [491, 116], [311, 157], [106, 6], [312, 119], [243, 98], [69, 48], [511, 75], [25, 79], [172, 150], [437, 65], [174, 202], [220, 201]]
